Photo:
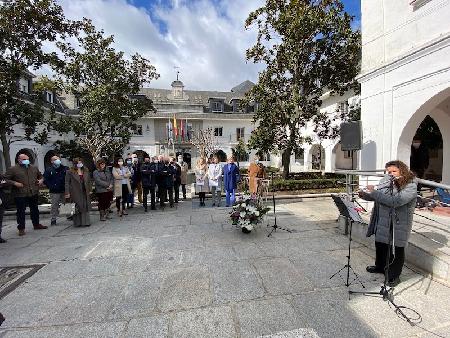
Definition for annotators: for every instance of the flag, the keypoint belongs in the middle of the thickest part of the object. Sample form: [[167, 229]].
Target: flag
[[188, 137], [175, 129], [169, 130], [181, 130]]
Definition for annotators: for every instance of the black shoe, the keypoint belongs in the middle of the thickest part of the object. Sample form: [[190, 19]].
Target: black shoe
[[145, 210], [393, 282], [2, 240], [373, 269], [214, 204], [153, 208], [53, 222]]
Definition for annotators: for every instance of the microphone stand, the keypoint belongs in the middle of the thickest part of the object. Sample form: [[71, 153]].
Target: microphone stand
[[275, 226]]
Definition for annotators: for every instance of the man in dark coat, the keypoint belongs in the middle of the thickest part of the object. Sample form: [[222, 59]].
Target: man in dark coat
[[177, 178], [54, 179], [170, 179], [161, 173], [26, 182], [149, 173], [3, 183]]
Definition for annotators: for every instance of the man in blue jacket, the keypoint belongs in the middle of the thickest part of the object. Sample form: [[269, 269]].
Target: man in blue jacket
[[54, 179]]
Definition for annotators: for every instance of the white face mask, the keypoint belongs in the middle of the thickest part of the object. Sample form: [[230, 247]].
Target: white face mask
[[416, 145]]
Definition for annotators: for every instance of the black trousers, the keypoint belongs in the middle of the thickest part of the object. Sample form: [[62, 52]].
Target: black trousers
[[21, 205], [183, 188], [177, 192], [122, 200], [152, 197], [396, 262], [162, 194], [2, 212], [170, 193]]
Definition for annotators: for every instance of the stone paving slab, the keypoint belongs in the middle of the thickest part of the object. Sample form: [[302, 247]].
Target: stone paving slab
[[187, 272]]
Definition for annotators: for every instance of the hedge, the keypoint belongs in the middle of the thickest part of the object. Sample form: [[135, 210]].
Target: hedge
[[324, 183]]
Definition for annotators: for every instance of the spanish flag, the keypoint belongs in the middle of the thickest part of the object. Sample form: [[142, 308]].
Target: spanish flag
[[175, 129]]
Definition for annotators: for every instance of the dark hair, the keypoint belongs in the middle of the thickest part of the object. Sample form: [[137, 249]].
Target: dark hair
[[99, 162], [406, 175], [116, 162]]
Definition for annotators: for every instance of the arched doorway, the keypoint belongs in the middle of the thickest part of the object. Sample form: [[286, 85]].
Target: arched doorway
[[317, 157], [426, 151], [141, 154], [436, 108], [30, 153], [47, 158]]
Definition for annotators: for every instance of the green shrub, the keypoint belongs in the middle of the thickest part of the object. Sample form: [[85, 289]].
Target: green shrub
[[323, 183]]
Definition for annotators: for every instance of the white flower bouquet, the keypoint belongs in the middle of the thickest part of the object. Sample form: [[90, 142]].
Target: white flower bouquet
[[247, 212]]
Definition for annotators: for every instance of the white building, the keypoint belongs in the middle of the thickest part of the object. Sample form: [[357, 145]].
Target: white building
[[405, 78]]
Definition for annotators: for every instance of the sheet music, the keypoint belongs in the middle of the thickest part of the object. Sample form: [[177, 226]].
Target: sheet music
[[354, 214]]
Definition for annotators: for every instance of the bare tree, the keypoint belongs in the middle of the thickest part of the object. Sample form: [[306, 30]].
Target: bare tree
[[204, 141]]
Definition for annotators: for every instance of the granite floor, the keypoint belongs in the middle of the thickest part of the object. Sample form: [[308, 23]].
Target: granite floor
[[186, 272]]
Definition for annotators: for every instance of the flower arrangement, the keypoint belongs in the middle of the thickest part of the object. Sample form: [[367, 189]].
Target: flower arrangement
[[247, 212]]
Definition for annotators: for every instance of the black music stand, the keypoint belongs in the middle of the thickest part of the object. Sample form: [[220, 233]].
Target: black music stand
[[348, 210]]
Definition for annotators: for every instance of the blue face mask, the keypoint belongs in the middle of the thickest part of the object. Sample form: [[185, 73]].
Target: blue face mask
[[26, 163], [57, 163]]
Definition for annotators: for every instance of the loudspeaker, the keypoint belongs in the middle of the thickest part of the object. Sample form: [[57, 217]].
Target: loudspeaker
[[351, 135]]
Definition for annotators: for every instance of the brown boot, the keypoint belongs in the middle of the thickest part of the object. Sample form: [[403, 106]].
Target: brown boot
[[21, 232], [39, 227], [102, 215]]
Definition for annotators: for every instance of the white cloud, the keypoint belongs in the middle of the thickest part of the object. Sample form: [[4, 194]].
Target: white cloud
[[206, 41]]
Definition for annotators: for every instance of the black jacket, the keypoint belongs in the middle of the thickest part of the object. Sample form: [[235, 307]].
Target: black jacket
[[177, 174], [54, 179], [170, 176], [161, 173], [149, 173]]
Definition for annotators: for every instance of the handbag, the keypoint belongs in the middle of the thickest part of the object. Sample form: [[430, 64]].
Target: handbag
[[68, 209]]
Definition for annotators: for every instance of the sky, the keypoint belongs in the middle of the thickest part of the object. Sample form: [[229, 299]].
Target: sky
[[205, 40]]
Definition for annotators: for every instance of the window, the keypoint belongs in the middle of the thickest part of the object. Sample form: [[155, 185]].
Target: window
[[240, 134], [218, 131], [137, 129], [300, 156], [347, 153], [217, 106], [49, 97], [343, 107]]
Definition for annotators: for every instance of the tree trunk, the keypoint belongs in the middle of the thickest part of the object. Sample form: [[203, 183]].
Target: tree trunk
[[6, 150], [285, 161]]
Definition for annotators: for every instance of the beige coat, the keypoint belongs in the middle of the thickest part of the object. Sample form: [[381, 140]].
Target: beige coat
[[184, 169], [201, 179], [118, 177]]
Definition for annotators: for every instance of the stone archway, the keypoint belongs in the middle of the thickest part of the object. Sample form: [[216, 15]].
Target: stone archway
[[47, 158], [438, 108], [30, 153], [316, 157]]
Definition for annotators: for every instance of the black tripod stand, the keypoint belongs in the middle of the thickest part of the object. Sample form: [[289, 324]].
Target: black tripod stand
[[386, 292], [275, 226], [349, 217]]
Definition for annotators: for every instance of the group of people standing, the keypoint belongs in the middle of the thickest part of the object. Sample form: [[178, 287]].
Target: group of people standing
[[160, 176], [215, 178]]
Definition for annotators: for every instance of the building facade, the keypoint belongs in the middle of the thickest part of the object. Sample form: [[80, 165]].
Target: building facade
[[405, 82]]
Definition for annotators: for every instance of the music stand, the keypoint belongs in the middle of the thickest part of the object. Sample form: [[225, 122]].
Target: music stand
[[348, 210]]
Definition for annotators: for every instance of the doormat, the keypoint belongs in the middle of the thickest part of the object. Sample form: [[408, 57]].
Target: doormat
[[12, 276]]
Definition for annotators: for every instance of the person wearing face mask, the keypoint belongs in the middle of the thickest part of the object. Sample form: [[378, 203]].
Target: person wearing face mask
[[130, 197], [148, 171], [215, 174], [54, 179], [176, 178], [26, 180], [255, 173], [78, 191], [183, 174], [161, 173], [104, 183], [122, 187], [170, 178]]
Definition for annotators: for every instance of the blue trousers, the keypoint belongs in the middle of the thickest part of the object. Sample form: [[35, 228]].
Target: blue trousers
[[230, 196]]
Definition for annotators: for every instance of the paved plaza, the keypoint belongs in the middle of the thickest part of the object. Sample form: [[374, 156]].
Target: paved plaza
[[186, 272]]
